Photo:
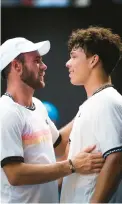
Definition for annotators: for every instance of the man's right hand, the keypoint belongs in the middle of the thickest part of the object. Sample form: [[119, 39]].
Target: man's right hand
[[87, 162]]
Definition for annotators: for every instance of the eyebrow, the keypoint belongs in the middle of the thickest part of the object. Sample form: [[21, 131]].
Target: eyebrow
[[72, 52], [38, 57]]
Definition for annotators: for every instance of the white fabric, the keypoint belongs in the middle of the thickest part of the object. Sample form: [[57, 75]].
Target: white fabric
[[98, 121], [11, 48], [27, 134]]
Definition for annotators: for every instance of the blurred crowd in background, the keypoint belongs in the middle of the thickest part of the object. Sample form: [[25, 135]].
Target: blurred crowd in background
[[56, 3]]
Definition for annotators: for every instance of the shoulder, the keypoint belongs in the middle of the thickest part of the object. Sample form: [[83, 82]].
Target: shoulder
[[9, 110], [38, 102], [39, 105], [109, 104], [108, 99], [112, 100], [106, 102]]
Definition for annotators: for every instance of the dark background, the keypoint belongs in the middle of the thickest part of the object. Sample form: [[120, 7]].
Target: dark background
[[56, 24]]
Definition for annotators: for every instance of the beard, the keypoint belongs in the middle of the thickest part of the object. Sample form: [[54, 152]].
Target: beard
[[28, 78]]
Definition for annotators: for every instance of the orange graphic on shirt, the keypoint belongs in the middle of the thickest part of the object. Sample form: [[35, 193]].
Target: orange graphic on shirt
[[36, 137]]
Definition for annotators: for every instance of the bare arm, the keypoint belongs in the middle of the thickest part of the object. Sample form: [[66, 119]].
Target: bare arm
[[108, 178], [26, 174], [64, 133]]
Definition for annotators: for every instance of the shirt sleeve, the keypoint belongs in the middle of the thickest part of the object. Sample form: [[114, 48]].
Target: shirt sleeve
[[108, 128], [11, 140], [54, 130]]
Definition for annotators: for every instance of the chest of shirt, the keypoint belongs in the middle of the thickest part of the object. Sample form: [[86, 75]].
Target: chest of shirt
[[37, 139], [83, 132]]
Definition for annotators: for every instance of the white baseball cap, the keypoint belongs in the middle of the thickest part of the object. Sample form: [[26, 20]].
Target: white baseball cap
[[11, 48]]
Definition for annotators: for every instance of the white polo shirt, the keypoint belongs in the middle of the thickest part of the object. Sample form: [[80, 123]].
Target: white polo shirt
[[27, 136], [98, 121]]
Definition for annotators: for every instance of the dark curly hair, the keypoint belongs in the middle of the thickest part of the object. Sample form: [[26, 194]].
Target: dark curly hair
[[100, 41]]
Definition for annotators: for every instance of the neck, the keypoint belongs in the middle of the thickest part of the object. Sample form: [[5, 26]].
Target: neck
[[95, 83], [21, 94]]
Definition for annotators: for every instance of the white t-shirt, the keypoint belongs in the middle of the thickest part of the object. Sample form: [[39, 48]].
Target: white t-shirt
[[98, 121], [28, 136]]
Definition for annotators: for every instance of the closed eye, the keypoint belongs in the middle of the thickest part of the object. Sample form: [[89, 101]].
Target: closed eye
[[38, 61], [73, 57]]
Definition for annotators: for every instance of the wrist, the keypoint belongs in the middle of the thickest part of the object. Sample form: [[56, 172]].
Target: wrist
[[67, 167], [71, 166]]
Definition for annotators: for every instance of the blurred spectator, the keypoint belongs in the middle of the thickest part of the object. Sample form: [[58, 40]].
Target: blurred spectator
[[27, 2], [82, 3], [52, 3]]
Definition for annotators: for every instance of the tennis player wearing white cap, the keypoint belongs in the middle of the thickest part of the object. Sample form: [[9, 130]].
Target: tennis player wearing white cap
[[28, 137]]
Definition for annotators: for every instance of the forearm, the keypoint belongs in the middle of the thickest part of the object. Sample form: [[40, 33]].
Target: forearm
[[107, 180], [27, 174]]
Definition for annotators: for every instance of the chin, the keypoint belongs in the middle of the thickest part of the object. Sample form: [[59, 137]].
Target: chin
[[39, 85], [75, 83], [42, 84]]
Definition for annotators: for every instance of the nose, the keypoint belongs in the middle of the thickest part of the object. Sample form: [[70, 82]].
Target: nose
[[68, 64], [44, 66]]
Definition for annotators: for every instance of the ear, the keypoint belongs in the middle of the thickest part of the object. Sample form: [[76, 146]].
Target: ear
[[94, 60], [17, 66]]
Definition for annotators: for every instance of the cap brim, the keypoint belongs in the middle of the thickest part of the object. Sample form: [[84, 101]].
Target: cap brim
[[42, 47]]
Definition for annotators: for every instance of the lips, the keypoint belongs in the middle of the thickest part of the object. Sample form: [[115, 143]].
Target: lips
[[70, 73], [42, 74]]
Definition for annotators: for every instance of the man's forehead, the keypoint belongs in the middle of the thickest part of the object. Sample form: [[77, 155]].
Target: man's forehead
[[33, 54]]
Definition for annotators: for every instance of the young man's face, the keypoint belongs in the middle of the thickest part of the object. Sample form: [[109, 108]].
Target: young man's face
[[33, 70], [78, 66]]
